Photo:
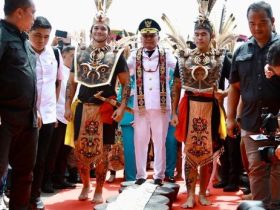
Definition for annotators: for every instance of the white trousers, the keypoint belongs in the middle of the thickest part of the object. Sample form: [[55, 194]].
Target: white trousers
[[151, 123]]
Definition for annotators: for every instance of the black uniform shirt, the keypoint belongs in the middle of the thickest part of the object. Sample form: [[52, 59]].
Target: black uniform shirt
[[17, 77], [256, 90]]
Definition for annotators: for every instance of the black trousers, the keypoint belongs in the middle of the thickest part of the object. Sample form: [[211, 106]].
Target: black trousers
[[231, 164], [44, 142], [57, 156], [18, 146]]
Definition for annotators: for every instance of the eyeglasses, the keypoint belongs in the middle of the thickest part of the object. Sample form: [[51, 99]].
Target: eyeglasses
[[146, 36]]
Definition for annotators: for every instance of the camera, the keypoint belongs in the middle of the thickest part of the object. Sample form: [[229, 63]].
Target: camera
[[268, 153], [270, 129], [269, 124]]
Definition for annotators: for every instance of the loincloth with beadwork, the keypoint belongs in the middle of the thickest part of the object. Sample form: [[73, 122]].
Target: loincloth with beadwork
[[202, 131], [89, 144]]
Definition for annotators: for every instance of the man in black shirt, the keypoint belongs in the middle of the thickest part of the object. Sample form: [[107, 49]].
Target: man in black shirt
[[248, 81], [96, 68], [18, 127]]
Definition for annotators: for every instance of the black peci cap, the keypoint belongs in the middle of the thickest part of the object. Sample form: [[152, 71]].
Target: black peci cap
[[149, 26]]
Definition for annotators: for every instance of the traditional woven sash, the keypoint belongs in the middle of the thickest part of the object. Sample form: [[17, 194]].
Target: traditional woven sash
[[140, 83], [198, 147], [89, 146]]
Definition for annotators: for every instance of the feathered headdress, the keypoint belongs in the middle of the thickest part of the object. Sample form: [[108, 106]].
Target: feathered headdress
[[126, 41], [205, 8], [174, 38], [102, 7], [224, 35]]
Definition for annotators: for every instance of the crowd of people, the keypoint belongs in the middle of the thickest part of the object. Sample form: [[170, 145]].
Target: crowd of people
[[57, 116]]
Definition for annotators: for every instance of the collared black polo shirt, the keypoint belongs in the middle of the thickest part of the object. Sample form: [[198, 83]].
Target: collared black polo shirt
[[256, 90], [17, 77]]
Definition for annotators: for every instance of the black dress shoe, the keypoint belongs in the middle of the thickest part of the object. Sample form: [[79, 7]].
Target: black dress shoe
[[231, 188], [170, 179], [36, 204], [140, 181], [246, 191], [158, 182], [219, 185], [64, 185], [47, 188]]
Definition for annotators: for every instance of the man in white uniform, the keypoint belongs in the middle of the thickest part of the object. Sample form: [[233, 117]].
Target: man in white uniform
[[150, 66]]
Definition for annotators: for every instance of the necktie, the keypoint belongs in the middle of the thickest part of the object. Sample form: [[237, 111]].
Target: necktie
[[150, 52]]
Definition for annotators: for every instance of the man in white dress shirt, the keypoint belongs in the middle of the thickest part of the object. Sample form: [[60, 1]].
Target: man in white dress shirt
[[49, 76], [56, 162], [150, 66]]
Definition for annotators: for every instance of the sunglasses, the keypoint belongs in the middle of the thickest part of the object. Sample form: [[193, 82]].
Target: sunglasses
[[146, 36]]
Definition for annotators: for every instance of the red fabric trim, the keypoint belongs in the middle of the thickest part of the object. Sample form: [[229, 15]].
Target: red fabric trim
[[181, 128], [106, 111]]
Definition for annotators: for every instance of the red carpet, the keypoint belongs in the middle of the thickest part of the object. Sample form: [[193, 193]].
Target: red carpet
[[67, 199]]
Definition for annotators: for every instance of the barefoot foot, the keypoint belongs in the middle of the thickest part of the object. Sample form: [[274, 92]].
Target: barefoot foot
[[97, 198], [84, 194], [204, 201], [189, 204]]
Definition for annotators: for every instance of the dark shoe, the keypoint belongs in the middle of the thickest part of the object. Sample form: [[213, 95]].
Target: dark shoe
[[246, 191], [158, 182], [219, 185], [140, 181], [37, 204], [64, 185], [231, 188], [47, 188], [74, 179], [74, 176], [92, 173], [170, 179]]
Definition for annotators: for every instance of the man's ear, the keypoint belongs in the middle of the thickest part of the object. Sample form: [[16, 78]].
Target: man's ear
[[19, 12], [273, 20]]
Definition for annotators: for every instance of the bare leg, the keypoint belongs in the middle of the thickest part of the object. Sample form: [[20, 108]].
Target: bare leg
[[190, 177], [205, 174], [179, 162], [84, 174], [101, 170]]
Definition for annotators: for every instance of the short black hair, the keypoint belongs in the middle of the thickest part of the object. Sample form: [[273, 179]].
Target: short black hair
[[11, 5], [41, 22], [261, 6], [67, 49], [273, 55]]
